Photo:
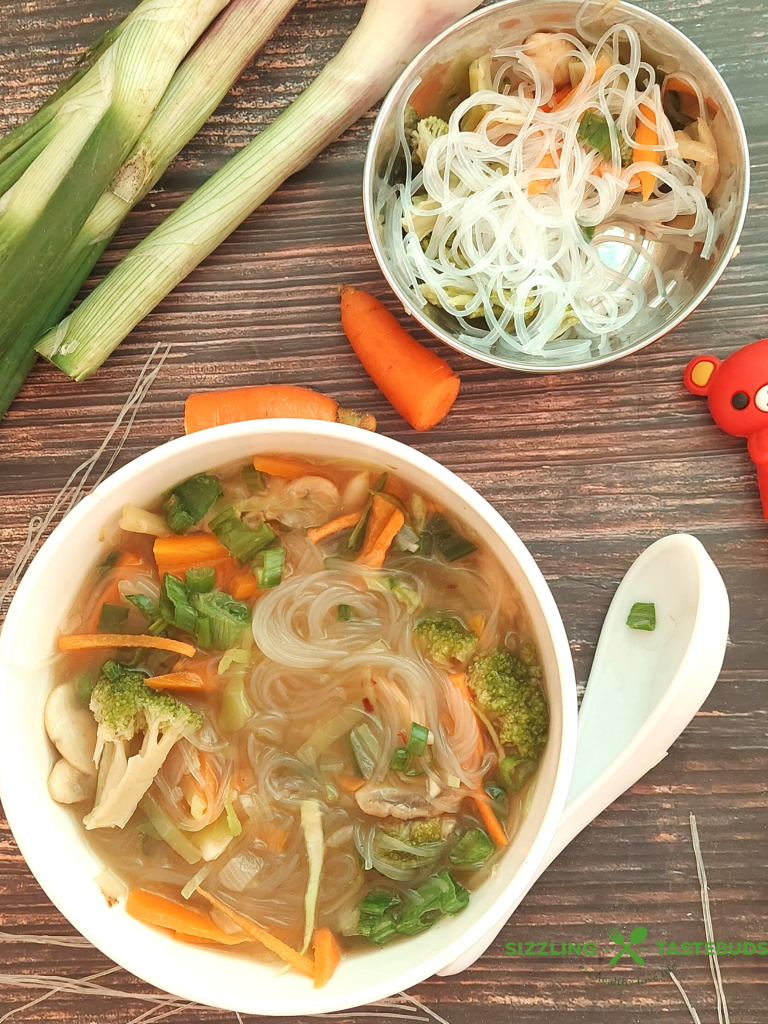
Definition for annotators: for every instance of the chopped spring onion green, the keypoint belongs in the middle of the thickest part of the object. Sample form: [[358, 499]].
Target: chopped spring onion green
[[378, 901], [377, 930], [255, 481], [187, 503], [642, 616], [473, 849], [400, 760], [221, 620], [175, 604], [151, 612], [355, 539], [365, 749], [200, 581], [241, 540], [515, 772], [440, 537], [112, 618], [417, 740], [85, 685], [594, 131], [270, 572], [421, 908], [344, 613]]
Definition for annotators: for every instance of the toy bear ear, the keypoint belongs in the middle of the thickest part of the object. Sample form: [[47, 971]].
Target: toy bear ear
[[698, 374]]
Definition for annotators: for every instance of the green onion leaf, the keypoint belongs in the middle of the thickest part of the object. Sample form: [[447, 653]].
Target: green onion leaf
[[344, 613], [365, 749], [356, 537], [377, 930], [112, 618], [221, 620], [594, 131], [175, 605], [400, 760], [425, 905], [417, 740], [85, 685], [642, 616], [270, 572], [241, 540], [200, 581], [109, 563], [187, 503], [473, 849], [440, 537], [255, 481], [150, 611], [378, 901], [515, 772]]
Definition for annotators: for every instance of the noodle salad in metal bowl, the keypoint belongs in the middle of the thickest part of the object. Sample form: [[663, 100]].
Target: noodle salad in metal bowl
[[528, 214]]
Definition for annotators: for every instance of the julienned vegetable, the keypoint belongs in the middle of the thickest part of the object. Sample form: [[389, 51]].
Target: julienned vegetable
[[205, 409], [196, 89], [419, 384], [642, 615], [390, 34]]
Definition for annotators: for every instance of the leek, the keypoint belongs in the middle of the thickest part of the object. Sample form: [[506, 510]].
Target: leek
[[196, 89], [389, 35]]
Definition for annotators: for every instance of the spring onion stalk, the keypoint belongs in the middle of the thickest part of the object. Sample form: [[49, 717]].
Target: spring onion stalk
[[389, 35], [196, 89], [92, 133]]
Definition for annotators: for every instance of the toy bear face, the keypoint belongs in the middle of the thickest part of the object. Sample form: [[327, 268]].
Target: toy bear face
[[736, 388]]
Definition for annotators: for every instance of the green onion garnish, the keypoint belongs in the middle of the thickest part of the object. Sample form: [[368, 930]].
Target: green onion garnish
[[400, 760], [221, 620], [378, 901], [109, 563], [201, 580], [175, 605], [190, 500], [344, 613], [150, 611], [255, 481], [440, 536], [112, 617], [417, 740], [642, 616], [270, 572], [241, 540], [473, 849]]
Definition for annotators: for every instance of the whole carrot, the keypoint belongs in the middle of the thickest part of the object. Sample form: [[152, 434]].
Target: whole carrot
[[267, 401], [644, 137], [421, 386]]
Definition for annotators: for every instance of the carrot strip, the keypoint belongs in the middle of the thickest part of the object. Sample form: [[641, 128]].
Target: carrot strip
[[267, 401], [92, 641], [644, 137], [177, 554], [129, 558], [538, 185], [420, 385], [182, 681], [686, 89], [150, 908], [204, 668], [491, 822], [564, 96], [327, 956], [243, 587], [381, 510], [275, 838], [318, 533], [375, 557], [459, 680], [350, 783], [288, 469], [283, 950]]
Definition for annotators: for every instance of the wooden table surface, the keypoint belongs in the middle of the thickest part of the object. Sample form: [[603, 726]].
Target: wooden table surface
[[589, 468]]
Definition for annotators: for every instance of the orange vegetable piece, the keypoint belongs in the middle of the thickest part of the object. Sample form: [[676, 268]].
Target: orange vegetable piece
[[381, 510], [283, 950], [275, 838], [419, 384], [92, 641], [350, 783], [538, 185], [318, 533], [491, 822], [266, 401], [644, 137], [288, 469], [327, 956], [177, 554], [187, 682], [375, 557], [150, 908], [243, 587], [686, 89]]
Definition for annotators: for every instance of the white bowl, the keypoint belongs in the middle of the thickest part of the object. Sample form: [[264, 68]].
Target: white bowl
[[53, 841]]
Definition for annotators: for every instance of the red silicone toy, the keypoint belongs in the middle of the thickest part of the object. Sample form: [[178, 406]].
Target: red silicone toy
[[737, 391]]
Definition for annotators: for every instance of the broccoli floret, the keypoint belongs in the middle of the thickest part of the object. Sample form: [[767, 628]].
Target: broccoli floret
[[446, 639], [425, 832], [424, 134], [507, 686], [124, 706]]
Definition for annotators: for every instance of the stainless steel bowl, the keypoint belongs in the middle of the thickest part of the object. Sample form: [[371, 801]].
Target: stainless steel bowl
[[442, 69]]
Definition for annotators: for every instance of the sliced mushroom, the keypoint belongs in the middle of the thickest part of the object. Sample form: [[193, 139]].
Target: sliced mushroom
[[309, 501], [406, 801], [551, 56], [67, 785], [71, 728]]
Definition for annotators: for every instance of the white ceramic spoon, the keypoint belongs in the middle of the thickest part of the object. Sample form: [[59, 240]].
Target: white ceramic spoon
[[644, 687]]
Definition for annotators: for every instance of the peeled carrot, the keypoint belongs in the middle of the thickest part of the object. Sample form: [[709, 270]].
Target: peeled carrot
[[177, 554], [182, 681], [318, 533], [327, 956], [420, 385], [675, 84], [204, 668], [459, 680], [275, 838], [92, 641], [350, 783], [381, 510], [287, 469], [150, 908], [644, 137], [375, 557], [538, 185], [283, 950], [243, 587], [491, 822], [267, 401], [129, 558]]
